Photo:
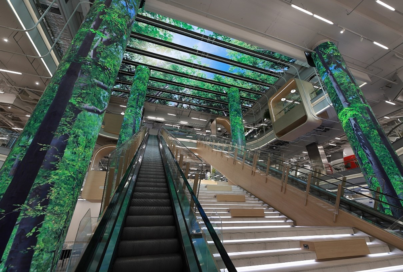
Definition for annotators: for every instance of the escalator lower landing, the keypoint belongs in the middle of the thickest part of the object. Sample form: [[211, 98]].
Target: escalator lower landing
[[149, 241]]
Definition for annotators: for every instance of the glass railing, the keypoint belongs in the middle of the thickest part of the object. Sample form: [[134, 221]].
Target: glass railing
[[206, 241], [359, 200], [98, 255]]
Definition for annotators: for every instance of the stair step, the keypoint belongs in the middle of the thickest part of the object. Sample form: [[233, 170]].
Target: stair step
[[156, 263], [142, 195], [148, 247], [151, 189], [149, 220], [150, 210], [150, 202], [151, 184]]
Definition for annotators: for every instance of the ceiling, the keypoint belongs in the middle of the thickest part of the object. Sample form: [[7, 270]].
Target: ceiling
[[273, 25]]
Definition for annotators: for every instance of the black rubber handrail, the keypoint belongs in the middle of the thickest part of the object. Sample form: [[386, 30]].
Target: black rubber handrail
[[220, 247]]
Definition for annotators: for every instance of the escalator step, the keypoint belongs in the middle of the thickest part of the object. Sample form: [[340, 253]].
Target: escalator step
[[158, 263], [151, 179], [141, 195], [148, 247], [149, 220], [138, 210], [150, 202], [152, 233], [151, 189], [151, 184]]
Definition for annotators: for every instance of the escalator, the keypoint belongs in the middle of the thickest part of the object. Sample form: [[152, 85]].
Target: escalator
[[150, 224], [150, 240]]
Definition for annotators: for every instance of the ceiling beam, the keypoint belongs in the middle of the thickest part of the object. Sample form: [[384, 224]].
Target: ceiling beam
[[207, 39], [160, 80], [203, 54], [205, 80], [195, 66]]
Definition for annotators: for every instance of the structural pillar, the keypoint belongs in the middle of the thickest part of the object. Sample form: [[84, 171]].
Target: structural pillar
[[236, 119], [43, 174], [378, 161], [132, 119]]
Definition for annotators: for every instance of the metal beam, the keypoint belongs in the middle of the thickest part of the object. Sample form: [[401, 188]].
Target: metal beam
[[195, 66], [203, 54], [191, 96], [160, 80], [180, 94], [207, 39], [205, 80], [184, 102]]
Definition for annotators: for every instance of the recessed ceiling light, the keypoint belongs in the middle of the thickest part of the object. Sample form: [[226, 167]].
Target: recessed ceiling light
[[316, 87], [332, 144], [37, 83], [197, 129], [122, 113], [183, 122], [390, 102], [17, 128], [1, 91], [27, 115], [301, 9], [11, 72], [5, 39], [385, 5], [293, 91], [171, 114], [337, 138], [381, 45], [283, 99], [9, 107], [323, 19], [387, 117], [363, 84], [304, 152], [342, 31], [122, 106]]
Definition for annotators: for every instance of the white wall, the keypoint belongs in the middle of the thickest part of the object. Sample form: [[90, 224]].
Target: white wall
[[82, 207]]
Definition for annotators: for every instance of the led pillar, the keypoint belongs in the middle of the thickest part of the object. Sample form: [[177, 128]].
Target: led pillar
[[236, 120], [43, 174], [132, 119], [378, 161]]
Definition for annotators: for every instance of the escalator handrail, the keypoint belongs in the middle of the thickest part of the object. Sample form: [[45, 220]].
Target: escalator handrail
[[220, 247], [174, 199], [88, 261]]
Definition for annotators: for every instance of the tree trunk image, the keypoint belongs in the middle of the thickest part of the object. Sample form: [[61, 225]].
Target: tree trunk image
[[27, 203], [374, 153]]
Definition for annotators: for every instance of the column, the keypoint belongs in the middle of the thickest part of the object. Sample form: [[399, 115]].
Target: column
[[236, 119], [378, 161], [42, 177], [132, 119]]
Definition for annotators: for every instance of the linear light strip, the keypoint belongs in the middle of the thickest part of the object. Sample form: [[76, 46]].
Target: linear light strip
[[29, 37]]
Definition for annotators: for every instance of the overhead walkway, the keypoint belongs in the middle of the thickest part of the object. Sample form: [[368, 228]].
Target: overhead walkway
[[149, 224]]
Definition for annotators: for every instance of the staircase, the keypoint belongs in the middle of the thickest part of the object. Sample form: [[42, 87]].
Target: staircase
[[271, 243], [149, 240]]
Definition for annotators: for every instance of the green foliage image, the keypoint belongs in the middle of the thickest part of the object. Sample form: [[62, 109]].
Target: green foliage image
[[43, 174], [134, 109], [378, 161], [236, 119]]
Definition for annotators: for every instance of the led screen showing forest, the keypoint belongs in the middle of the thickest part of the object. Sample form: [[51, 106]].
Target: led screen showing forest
[[206, 90]]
